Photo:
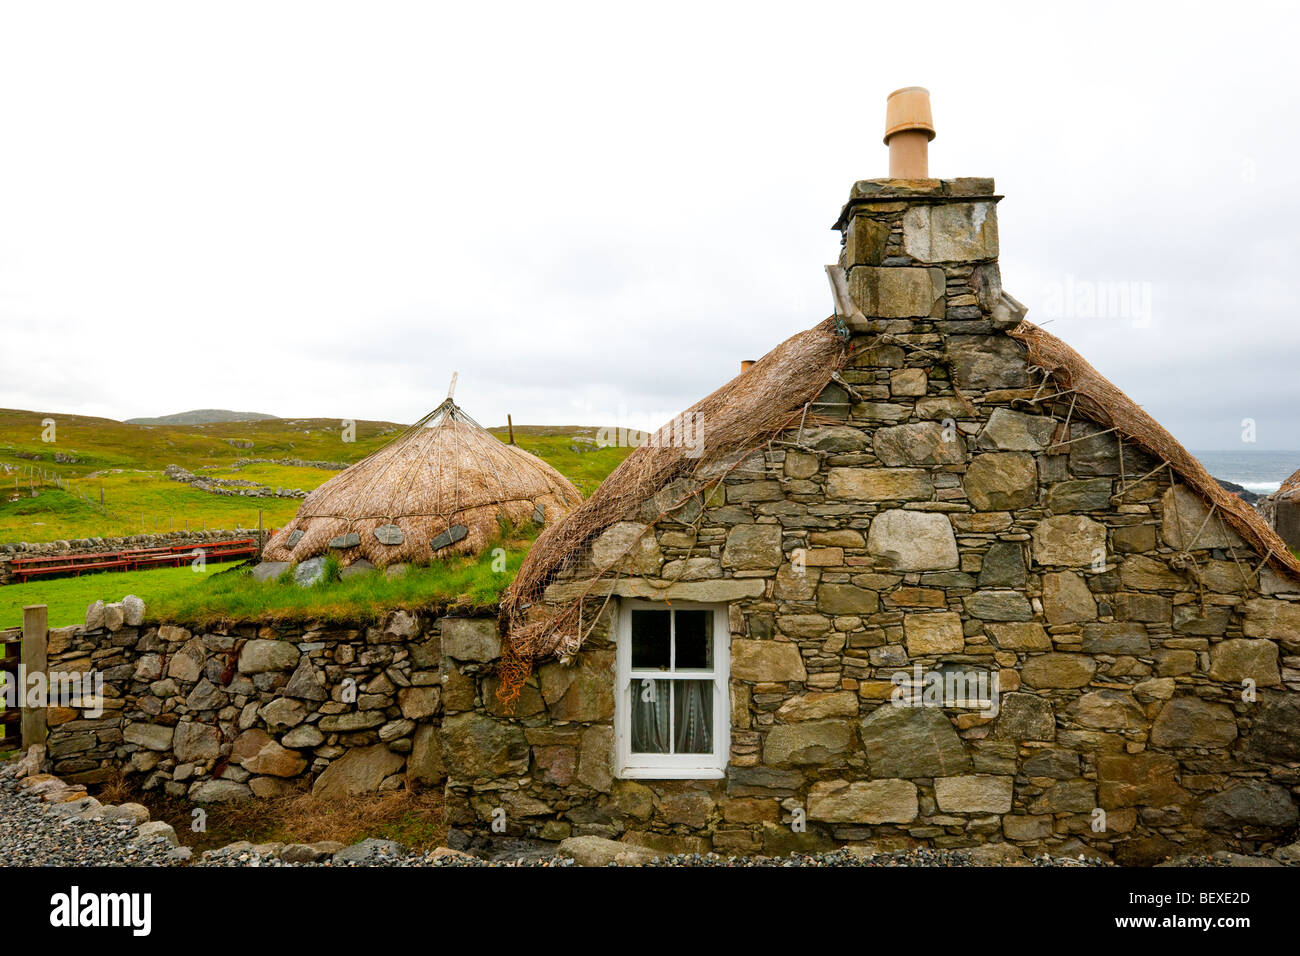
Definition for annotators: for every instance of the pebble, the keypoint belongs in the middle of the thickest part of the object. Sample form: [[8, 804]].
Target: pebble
[[33, 834]]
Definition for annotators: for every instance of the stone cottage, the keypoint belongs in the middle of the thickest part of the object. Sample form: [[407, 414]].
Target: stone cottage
[[1281, 509], [924, 576]]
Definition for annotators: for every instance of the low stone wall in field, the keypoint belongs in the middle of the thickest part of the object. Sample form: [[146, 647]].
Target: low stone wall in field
[[225, 714]]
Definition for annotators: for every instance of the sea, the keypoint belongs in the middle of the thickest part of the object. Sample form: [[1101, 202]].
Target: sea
[[1259, 471]]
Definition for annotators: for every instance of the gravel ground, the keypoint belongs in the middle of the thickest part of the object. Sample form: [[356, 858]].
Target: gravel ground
[[32, 833], [848, 857], [35, 833], [838, 858]]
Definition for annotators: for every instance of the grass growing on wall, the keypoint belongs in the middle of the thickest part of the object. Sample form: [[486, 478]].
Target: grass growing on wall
[[68, 598], [229, 593], [467, 582]]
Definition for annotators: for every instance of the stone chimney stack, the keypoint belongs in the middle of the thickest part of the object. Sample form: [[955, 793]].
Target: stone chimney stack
[[919, 254]]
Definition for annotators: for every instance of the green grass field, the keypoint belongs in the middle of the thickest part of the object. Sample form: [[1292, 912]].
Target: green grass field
[[586, 467], [274, 476], [126, 462]]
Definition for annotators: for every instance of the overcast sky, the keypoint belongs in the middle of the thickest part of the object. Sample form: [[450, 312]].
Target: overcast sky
[[594, 212]]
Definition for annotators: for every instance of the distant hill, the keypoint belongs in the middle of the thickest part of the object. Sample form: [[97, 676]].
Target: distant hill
[[202, 416]]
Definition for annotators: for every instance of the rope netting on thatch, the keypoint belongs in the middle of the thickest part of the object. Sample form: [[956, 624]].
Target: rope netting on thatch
[[1089, 393], [681, 461], [444, 477], [747, 415]]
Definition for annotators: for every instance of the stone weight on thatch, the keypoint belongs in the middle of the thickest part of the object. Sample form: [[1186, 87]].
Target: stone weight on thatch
[[442, 487], [389, 534], [449, 537]]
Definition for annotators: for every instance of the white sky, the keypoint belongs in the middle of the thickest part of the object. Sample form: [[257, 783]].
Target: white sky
[[595, 211]]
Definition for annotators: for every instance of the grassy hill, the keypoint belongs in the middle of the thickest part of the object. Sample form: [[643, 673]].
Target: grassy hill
[[99, 443], [122, 465], [91, 458], [201, 416]]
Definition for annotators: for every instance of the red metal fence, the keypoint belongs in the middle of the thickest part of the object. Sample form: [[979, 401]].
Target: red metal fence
[[135, 559]]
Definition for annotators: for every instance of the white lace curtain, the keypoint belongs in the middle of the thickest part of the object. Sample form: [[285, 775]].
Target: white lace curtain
[[673, 719]]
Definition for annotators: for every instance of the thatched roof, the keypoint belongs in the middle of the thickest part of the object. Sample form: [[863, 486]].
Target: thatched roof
[[1103, 402], [1288, 488], [442, 487], [723, 428], [773, 396]]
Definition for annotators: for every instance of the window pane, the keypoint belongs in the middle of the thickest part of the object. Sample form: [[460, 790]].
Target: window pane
[[651, 703], [693, 716], [694, 639], [650, 639]]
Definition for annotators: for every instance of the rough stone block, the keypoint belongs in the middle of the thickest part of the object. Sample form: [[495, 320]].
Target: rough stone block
[[912, 540], [951, 232], [863, 801], [897, 292], [977, 793], [471, 638], [766, 661]]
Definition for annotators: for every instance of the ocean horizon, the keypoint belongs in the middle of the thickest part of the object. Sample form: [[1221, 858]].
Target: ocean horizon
[[1259, 471]]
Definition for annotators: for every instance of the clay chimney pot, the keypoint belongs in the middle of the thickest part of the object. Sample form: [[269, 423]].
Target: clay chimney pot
[[909, 127]]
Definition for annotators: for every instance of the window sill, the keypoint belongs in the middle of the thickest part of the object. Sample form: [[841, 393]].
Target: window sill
[[671, 773]]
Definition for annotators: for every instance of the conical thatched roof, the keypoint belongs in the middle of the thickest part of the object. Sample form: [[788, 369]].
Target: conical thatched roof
[[440, 488]]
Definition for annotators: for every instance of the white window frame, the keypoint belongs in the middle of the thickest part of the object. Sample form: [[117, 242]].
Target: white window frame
[[711, 766]]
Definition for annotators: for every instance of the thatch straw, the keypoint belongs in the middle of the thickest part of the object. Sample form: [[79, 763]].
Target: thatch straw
[[726, 426], [1101, 401], [1288, 488], [442, 473]]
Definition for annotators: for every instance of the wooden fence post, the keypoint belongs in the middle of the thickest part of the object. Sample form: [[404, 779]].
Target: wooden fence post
[[35, 617]]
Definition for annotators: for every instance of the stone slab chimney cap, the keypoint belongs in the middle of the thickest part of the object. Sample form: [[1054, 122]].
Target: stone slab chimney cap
[[908, 108]]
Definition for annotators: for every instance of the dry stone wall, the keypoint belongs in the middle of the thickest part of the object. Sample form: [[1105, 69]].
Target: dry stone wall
[[943, 523], [225, 714]]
